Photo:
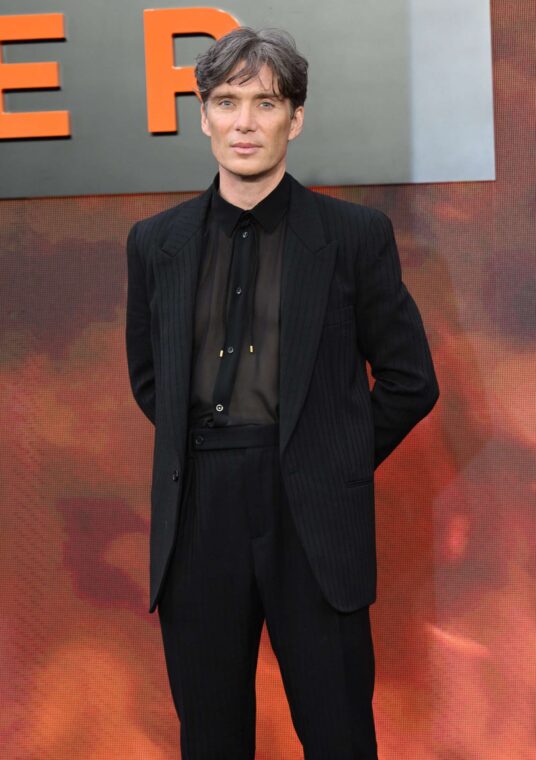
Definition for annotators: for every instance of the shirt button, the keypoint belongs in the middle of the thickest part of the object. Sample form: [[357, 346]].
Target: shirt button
[[238, 290], [245, 234], [219, 407], [230, 350]]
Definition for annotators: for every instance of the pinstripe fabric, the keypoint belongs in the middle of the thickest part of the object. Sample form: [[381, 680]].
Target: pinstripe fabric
[[238, 561], [342, 301]]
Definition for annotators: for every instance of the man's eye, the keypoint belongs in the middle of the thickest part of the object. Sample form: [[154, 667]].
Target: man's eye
[[267, 103], [224, 102]]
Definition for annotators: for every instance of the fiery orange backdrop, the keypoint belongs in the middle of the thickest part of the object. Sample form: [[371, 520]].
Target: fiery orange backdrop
[[82, 674]]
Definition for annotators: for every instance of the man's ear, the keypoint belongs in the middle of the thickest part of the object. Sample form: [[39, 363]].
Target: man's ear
[[296, 124], [204, 121]]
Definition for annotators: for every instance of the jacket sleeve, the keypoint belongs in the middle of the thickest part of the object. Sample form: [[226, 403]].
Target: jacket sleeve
[[393, 340], [138, 331]]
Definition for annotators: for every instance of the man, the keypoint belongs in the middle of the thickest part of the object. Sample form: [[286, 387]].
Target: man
[[251, 311]]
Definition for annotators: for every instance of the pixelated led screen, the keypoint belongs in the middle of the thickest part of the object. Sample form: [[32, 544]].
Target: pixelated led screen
[[82, 673]]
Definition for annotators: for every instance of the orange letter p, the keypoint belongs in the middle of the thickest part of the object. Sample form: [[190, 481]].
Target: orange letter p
[[164, 80]]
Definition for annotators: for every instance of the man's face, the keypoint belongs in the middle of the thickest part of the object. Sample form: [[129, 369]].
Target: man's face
[[250, 124]]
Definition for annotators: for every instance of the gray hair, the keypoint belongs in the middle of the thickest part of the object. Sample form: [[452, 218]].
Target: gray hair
[[274, 47]]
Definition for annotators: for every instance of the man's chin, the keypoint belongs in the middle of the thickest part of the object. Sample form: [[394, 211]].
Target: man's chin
[[247, 170]]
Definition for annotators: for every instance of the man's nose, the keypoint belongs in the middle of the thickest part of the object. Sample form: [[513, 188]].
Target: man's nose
[[245, 120]]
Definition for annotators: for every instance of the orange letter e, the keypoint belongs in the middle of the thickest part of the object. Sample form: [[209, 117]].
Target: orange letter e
[[31, 76]]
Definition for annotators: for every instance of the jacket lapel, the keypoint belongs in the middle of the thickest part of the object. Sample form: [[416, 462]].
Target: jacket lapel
[[177, 265], [307, 270]]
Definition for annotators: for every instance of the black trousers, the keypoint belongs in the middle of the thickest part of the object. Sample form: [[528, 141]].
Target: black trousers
[[238, 561]]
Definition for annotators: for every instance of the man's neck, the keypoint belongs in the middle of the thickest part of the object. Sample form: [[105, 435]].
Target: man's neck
[[246, 192]]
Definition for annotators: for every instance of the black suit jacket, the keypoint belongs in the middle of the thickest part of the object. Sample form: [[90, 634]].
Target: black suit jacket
[[342, 302]]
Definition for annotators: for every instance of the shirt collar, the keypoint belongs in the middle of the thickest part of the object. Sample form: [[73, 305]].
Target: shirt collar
[[267, 212]]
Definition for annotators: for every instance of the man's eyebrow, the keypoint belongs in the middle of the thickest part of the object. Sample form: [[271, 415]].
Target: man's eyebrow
[[217, 95], [258, 96], [270, 95]]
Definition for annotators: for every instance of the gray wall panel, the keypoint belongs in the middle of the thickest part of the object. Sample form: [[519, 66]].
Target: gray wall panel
[[400, 91]]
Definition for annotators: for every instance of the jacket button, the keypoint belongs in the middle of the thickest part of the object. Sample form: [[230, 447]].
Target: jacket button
[[199, 439], [175, 475]]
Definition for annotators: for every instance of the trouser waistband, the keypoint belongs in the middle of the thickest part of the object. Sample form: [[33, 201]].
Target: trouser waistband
[[232, 436]]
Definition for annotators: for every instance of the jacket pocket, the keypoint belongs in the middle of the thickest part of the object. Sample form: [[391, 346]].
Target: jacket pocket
[[358, 481], [338, 315]]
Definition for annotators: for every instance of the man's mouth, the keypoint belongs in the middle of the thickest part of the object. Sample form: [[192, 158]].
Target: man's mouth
[[245, 147]]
